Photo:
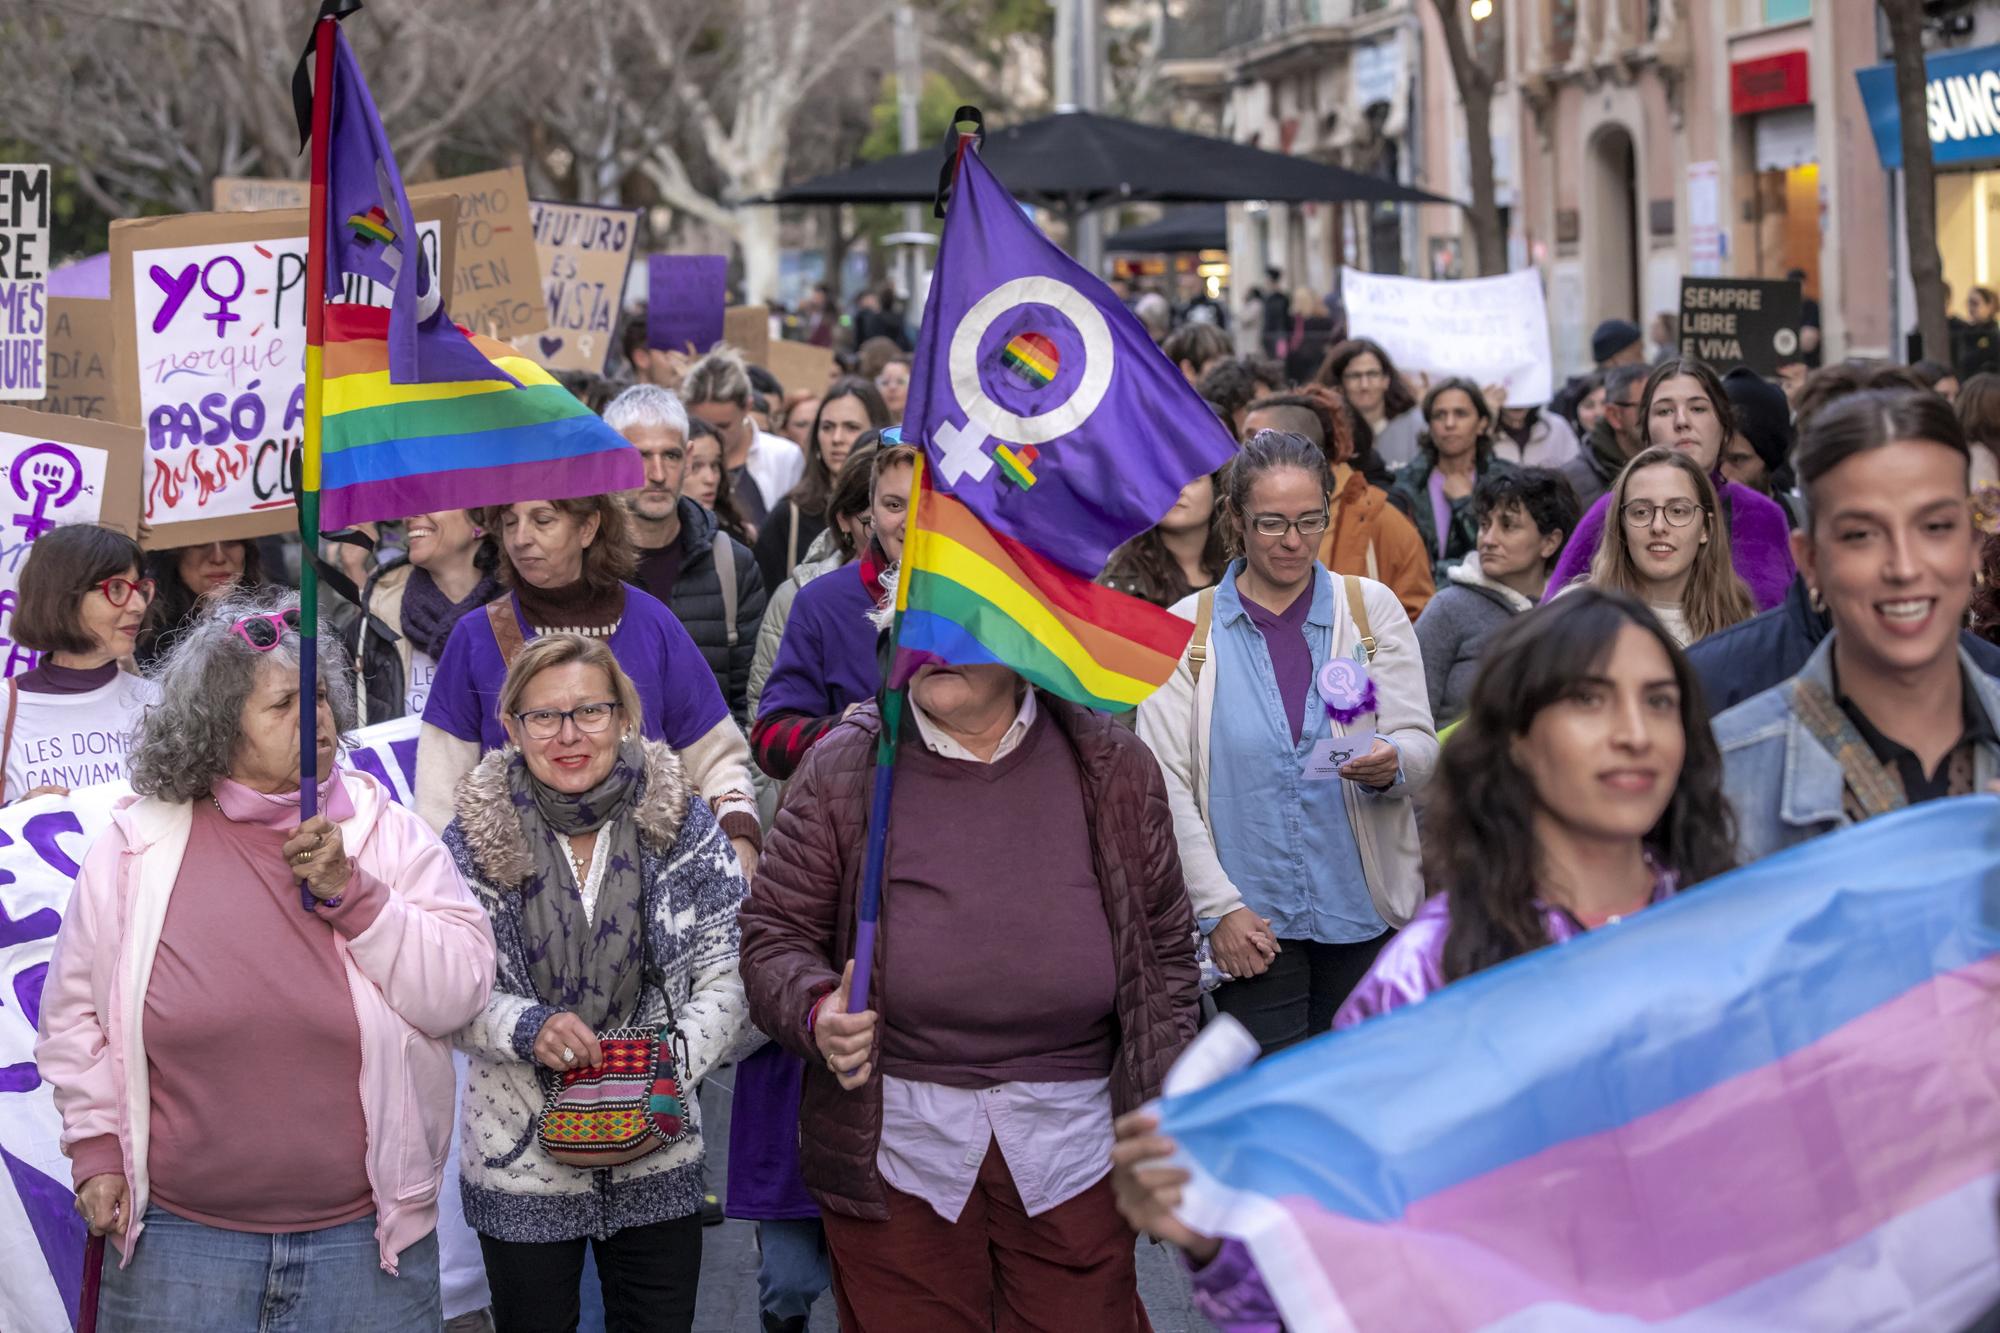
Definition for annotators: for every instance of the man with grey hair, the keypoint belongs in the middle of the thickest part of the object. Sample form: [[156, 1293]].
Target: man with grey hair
[[763, 467], [708, 579], [1616, 437]]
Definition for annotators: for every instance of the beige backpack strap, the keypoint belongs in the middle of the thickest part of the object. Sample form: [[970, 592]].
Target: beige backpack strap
[[506, 629], [1204, 612], [791, 542], [725, 575], [1373, 572], [1357, 608]]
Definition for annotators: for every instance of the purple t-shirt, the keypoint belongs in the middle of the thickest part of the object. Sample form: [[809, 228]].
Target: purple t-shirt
[[677, 691], [1291, 656], [826, 660]]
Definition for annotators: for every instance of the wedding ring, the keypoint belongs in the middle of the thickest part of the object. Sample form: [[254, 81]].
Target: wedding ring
[[568, 1056]]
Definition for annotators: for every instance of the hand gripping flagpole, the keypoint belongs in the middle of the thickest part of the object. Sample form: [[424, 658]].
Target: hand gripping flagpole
[[316, 261], [868, 913]]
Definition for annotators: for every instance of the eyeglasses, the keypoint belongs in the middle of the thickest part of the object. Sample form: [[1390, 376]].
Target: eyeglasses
[[263, 632], [545, 724], [1680, 513], [1277, 525], [118, 591]]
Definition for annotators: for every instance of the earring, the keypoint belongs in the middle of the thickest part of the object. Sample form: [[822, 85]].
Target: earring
[[1815, 598]]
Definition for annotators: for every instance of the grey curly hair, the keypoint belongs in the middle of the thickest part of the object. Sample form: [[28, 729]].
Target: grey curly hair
[[185, 743]]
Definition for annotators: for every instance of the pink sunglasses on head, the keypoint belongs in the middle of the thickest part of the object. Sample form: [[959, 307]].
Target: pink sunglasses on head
[[264, 632]]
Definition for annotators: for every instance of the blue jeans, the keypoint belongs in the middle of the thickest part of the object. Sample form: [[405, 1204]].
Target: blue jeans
[[188, 1278], [792, 1270]]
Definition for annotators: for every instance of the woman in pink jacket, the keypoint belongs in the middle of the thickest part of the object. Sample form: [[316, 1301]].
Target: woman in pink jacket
[[245, 1022]]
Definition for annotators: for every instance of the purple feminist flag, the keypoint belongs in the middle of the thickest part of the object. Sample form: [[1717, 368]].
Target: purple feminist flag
[[372, 233], [1041, 403]]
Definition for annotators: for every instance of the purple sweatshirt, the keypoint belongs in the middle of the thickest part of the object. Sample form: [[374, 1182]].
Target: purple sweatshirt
[[1228, 1289], [1760, 545]]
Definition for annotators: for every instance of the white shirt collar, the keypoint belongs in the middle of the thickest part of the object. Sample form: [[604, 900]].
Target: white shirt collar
[[938, 743]]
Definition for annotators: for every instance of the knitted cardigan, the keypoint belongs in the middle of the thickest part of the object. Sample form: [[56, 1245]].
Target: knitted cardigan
[[511, 1188]]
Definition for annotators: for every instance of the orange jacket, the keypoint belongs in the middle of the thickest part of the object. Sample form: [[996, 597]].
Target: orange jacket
[[1370, 538]]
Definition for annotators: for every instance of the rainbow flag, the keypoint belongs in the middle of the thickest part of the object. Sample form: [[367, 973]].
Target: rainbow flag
[[970, 594], [390, 449], [1772, 1103]]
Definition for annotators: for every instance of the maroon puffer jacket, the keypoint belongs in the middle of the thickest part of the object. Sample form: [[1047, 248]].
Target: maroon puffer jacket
[[798, 931]]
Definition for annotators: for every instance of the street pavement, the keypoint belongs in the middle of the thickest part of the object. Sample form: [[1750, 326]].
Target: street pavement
[[728, 1299]]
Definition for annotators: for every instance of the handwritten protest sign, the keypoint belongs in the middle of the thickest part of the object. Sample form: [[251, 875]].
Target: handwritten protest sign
[[496, 285], [79, 358], [43, 843], [1490, 330], [585, 254], [56, 470], [24, 281], [209, 310], [251, 194]]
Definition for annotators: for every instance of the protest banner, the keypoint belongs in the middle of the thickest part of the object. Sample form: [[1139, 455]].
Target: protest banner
[[42, 845], [58, 470], [585, 254], [79, 358], [1730, 322], [685, 299], [800, 367], [24, 281], [251, 194], [1489, 330], [496, 284], [209, 315]]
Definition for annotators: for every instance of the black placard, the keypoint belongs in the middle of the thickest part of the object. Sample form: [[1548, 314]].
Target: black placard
[[1731, 322]]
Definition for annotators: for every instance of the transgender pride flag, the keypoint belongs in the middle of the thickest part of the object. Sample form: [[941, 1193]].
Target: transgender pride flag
[[1770, 1104]]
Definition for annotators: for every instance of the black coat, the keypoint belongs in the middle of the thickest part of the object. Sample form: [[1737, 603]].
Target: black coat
[[1766, 650], [696, 601]]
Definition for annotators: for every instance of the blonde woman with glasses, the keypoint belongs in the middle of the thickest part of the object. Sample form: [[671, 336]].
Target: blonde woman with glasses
[[1666, 548]]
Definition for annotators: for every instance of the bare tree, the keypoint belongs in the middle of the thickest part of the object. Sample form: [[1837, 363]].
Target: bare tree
[[1477, 71], [1906, 37], [146, 103]]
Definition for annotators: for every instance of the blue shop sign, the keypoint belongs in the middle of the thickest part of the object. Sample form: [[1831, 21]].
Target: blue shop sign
[[1961, 102]]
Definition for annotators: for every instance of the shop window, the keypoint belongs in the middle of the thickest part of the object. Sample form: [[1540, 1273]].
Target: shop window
[[1786, 11]]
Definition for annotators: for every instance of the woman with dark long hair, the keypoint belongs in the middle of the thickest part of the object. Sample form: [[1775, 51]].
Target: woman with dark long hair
[[1364, 375], [707, 481], [1177, 557], [1454, 454], [1684, 408], [1582, 786], [850, 408], [187, 578]]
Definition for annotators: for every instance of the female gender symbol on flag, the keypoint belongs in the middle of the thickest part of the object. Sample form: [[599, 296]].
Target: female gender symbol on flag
[[961, 449]]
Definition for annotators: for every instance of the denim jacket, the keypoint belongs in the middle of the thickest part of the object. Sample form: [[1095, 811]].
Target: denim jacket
[[1785, 786]]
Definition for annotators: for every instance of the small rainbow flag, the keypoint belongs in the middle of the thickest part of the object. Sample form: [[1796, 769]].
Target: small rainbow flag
[[1033, 357], [372, 226], [969, 594], [390, 450]]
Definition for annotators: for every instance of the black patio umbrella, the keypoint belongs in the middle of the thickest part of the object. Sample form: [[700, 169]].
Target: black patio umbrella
[[1076, 161], [1195, 227]]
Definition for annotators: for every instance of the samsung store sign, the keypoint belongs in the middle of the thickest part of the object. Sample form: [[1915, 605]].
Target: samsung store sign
[[1961, 107]]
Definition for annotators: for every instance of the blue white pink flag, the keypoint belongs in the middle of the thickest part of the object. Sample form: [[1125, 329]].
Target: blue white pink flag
[[1772, 1103], [1042, 404]]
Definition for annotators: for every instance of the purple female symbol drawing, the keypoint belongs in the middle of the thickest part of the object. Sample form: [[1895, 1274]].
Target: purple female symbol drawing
[[222, 314], [51, 468], [1346, 690]]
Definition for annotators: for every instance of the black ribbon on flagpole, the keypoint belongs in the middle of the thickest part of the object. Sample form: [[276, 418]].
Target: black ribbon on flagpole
[[302, 95], [954, 144]]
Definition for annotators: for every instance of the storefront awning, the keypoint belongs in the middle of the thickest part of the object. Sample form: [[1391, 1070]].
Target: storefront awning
[[1961, 97]]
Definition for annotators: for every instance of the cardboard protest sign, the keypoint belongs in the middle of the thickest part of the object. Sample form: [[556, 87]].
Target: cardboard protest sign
[[209, 310], [496, 284], [799, 366], [251, 194], [79, 358], [585, 254], [747, 328], [685, 297], [24, 281], [1731, 322], [56, 470], [1490, 330], [42, 846]]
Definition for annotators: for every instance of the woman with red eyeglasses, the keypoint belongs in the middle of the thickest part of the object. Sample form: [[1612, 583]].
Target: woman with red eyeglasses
[[68, 719]]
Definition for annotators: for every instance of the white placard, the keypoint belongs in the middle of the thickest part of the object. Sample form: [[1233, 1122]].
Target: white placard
[[219, 332], [24, 282], [1489, 330]]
